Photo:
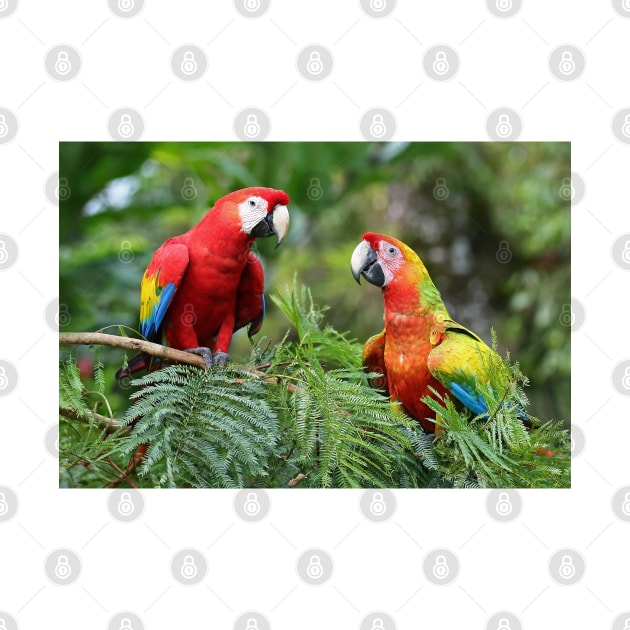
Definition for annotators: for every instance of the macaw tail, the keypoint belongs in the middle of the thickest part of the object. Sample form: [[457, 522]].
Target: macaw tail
[[142, 361]]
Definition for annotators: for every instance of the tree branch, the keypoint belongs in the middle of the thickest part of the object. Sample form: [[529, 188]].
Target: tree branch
[[109, 424], [154, 349]]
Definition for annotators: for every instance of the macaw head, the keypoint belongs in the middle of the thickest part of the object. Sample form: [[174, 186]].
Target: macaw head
[[262, 211], [381, 259]]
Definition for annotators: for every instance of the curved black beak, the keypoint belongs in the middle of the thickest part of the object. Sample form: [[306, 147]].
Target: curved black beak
[[276, 222], [364, 262]]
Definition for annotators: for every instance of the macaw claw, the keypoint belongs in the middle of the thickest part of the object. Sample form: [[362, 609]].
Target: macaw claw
[[220, 358]]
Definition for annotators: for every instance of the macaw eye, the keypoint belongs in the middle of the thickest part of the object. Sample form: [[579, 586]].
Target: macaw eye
[[392, 251], [252, 203]]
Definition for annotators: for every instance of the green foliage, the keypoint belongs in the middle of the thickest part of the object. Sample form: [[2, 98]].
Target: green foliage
[[84, 445], [204, 428], [301, 412]]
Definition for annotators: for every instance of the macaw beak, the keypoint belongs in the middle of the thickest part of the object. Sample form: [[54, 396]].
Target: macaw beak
[[364, 262], [276, 222]]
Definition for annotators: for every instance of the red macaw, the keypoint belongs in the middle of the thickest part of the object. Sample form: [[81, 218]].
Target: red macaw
[[420, 346], [203, 285]]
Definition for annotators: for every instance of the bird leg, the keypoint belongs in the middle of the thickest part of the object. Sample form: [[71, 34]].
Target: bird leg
[[220, 358]]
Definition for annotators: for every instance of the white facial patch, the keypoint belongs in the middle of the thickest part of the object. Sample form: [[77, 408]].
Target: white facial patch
[[252, 211], [390, 258]]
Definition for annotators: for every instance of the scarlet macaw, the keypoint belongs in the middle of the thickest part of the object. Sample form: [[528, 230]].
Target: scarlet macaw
[[420, 346], [203, 285]]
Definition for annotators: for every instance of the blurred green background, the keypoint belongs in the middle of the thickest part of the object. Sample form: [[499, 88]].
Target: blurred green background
[[490, 220]]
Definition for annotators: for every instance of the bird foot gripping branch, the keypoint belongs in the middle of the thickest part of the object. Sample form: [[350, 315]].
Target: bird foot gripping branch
[[220, 358]]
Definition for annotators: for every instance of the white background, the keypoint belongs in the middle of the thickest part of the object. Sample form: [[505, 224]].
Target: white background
[[378, 62]]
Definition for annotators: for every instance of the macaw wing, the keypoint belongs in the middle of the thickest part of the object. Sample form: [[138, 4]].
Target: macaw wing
[[250, 299], [461, 362], [374, 360], [159, 285]]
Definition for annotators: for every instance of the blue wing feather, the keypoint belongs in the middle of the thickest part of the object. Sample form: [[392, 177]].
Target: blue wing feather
[[474, 402]]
